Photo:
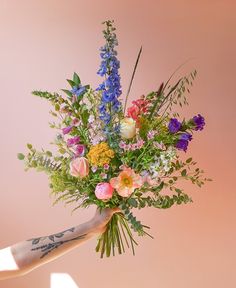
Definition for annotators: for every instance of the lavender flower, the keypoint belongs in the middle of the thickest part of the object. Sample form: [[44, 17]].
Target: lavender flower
[[174, 125]]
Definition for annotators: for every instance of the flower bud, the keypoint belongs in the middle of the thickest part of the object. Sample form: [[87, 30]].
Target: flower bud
[[79, 167]]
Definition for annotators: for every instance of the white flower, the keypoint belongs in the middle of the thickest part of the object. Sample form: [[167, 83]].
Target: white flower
[[91, 119], [127, 128]]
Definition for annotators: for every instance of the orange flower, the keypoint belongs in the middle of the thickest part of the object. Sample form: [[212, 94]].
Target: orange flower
[[126, 182]]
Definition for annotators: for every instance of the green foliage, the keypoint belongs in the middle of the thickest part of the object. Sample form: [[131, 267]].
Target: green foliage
[[41, 161], [20, 156]]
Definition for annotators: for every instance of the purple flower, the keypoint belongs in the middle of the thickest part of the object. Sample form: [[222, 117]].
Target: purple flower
[[199, 122], [73, 141], [186, 136], [174, 125], [182, 144], [67, 130]]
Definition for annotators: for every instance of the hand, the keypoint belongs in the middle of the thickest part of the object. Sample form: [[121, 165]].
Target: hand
[[100, 219]]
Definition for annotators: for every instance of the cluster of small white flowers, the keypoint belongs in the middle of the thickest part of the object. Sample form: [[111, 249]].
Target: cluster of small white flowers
[[162, 163]]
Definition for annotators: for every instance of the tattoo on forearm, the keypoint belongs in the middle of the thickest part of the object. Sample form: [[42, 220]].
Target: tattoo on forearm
[[49, 247], [51, 237]]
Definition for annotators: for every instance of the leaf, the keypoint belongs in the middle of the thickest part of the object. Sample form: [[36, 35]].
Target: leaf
[[72, 83], [29, 146], [133, 202], [57, 107], [67, 92], [76, 79], [160, 187], [132, 78], [20, 156], [189, 160], [49, 153], [178, 190], [184, 172]]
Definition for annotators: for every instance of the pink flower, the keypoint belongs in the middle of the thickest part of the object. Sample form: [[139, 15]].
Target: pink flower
[[133, 112], [75, 121], [126, 182], [140, 143], [104, 191], [79, 150], [106, 166], [103, 175], [67, 129], [151, 134], [79, 167], [122, 144], [73, 141], [139, 107]]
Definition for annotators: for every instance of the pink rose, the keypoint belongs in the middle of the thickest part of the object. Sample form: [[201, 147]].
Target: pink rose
[[79, 167], [104, 191]]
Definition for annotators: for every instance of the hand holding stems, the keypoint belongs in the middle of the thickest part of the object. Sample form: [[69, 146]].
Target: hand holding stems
[[25, 256]]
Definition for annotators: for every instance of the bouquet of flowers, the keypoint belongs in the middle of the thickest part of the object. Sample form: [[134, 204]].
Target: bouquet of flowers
[[111, 156]]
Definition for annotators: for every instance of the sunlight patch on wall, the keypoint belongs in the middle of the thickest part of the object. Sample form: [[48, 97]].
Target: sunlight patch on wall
[[7, 261], [62, 280]]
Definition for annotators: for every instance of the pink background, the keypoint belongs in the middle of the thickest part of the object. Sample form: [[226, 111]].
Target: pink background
[[42, 44]]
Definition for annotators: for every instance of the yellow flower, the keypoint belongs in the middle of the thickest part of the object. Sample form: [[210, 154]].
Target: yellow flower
[[100, 154]]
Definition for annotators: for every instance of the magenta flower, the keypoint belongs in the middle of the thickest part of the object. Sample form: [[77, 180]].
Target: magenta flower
[[106, 166], [67, 129], [80, 149], [72, 141]]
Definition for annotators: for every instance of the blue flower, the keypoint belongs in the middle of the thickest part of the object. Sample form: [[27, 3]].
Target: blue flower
[[78, 90], [111, 88]]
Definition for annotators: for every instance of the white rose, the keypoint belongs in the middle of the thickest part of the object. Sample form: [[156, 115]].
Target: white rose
[[127, 128]]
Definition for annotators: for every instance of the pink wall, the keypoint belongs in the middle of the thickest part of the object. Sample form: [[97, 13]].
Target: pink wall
[[44, 42]]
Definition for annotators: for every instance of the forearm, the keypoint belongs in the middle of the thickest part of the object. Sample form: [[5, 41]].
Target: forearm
[[35, 252]]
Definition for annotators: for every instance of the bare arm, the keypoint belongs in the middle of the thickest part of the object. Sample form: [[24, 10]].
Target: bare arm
[[25, 256]]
